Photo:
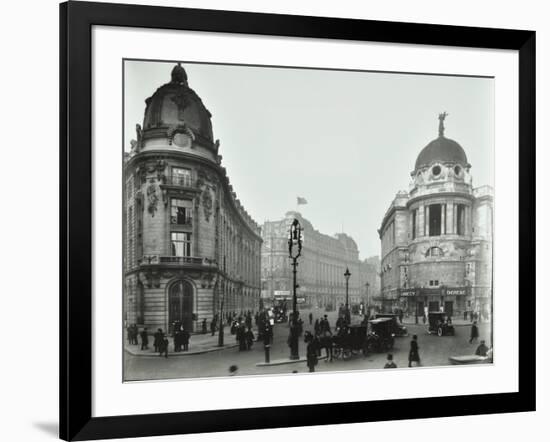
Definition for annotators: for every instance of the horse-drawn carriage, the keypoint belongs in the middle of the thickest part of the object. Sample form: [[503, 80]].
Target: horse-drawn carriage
[[350, 340], [375, 336]]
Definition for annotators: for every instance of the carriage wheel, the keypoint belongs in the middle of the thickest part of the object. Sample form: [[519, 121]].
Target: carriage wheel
[[439, 331]]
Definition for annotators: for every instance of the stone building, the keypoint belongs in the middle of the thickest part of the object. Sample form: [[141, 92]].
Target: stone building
[[436, 239], [189, 243], [321, 266]]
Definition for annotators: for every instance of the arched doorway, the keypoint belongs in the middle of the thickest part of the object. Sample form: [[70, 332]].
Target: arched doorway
[[180, 304]]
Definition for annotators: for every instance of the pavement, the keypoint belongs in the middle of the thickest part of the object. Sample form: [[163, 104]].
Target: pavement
[[198, 344]]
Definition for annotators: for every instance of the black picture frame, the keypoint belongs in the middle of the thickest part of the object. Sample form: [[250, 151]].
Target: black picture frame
[[76, 21]]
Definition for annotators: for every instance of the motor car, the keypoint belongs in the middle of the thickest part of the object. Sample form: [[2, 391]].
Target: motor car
[[398, 329], [380, 337], [440, 323]]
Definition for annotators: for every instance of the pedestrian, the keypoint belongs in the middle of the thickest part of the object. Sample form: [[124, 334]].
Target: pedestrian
[[389, 362], [213, 326], [471, 316], [204, 326], [177, 340], [185, 339], [311, 351], [157, 338], [241, 337], [144, 339], [310, 318], [482, 349], [401, 316], [465, 315], [163, 347], [249, 338], [317, 327], [474, 332], [413, 352]]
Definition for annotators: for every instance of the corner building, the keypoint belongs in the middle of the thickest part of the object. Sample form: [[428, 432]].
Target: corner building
[[321, 266], [436, 239], [189, 243]]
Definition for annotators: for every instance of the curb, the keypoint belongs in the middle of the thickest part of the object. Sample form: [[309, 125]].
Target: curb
[[180, 353], [284, 362]]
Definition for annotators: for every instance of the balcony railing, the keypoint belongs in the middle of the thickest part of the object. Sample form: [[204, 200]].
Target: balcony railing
[[177, 260], [180, 181]]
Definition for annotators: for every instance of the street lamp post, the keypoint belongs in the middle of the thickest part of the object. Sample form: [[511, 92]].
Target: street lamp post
[[347, 274], [294, 252], [367, 307]]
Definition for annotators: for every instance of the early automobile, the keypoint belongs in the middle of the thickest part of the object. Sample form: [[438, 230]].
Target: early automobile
[[440, 323], [380, 337], [397, 329]]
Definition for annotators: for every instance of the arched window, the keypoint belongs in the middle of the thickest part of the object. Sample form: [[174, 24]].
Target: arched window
[[434, 252], [181, 304]]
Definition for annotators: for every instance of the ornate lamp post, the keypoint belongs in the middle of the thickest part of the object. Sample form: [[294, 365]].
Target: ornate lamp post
[[294, 252], [347, 274]]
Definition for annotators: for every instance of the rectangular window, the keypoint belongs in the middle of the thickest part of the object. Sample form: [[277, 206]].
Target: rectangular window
[[460, 219], [181, 244], [181, 176], [180, 211], [435, 219], [436, 282]]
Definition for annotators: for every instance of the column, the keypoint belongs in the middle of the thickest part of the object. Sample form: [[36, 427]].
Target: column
[[420, 230], [449, 224], [443, 231], [427, 221]]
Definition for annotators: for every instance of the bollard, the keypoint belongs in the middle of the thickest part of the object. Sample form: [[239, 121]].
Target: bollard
[[266, 348]]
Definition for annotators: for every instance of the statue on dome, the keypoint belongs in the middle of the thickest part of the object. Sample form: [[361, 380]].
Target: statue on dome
[[441, 119]]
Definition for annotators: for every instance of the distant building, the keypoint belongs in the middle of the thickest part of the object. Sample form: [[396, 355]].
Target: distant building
[[436, 239], [321, 267], [189, 243]]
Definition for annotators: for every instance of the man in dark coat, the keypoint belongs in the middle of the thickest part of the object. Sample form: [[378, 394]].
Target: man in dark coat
[[311, 351], [144, 339], [177, 340], [213, 326], [185, 339], [310, 318], [157, 338], [249, 336], [163, 347], [414, 356], [482, 349], [204, 327], [474, 332]]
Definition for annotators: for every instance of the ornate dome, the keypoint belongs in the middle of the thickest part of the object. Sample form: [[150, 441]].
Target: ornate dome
[[174, 105], [441, 150]]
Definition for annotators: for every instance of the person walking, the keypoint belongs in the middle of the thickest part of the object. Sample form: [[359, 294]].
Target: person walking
[[204, 326], [310, 318], [414, 356], [249, 338], [311, 351], [474, 332], [144, 339], [213, 326]]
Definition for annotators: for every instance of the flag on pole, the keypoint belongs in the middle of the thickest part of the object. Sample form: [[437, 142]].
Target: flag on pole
[[300, 200]]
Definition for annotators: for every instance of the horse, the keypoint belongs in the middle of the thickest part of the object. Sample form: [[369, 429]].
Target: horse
[[326, 342]]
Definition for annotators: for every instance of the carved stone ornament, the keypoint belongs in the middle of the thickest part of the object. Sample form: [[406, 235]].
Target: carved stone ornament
[[207, 204], [173, 130], [152, 198], [180, 100]]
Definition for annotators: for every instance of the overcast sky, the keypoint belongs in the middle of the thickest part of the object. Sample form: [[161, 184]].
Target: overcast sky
[[345, 141]]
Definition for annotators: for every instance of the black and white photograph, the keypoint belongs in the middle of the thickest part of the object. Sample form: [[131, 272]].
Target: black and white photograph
[[281, 220]]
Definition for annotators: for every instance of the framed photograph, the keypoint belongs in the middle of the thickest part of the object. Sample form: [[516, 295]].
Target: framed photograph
[[274, 221]]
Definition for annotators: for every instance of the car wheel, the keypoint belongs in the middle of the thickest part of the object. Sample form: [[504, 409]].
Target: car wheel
[[439, 331]]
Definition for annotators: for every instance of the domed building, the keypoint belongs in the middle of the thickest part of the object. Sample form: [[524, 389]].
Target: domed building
[[191, 248], [436, 239]]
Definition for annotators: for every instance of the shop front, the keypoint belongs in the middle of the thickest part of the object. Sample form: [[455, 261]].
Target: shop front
[[420, 301]]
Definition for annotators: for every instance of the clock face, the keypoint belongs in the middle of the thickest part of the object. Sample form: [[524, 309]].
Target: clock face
[[182, 140]]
